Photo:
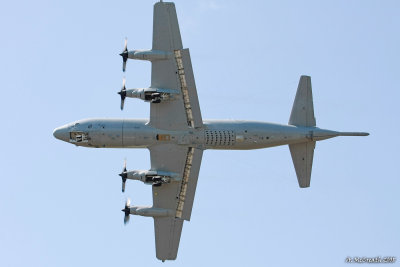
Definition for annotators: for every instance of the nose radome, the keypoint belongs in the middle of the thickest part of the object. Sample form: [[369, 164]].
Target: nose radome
[[61, 133]]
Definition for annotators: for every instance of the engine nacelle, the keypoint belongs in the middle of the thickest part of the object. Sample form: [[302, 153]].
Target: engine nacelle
[[149, 55], [153, 95], [155, 178], [150, 211]]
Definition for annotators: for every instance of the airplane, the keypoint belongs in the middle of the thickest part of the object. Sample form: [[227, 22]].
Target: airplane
[[176, 135]]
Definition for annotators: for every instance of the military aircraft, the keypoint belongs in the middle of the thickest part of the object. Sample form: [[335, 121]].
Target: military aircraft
[[176, 134]]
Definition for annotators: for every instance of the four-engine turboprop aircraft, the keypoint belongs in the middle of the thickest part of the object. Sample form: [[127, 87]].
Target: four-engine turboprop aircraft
[[176, 134]]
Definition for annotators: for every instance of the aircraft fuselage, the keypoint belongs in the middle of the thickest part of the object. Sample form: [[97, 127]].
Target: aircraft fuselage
[[216, 134]]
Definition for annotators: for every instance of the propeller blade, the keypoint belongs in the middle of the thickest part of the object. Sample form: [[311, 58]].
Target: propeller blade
[[126, 45], [126, 219], [123, 186], [122, 103], [124, 65]]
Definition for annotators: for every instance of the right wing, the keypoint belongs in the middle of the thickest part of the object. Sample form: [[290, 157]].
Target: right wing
[[186, 161], [172, 73], [177, 196]]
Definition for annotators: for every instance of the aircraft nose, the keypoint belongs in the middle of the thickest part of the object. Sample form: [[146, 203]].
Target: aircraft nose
[[61, 133]]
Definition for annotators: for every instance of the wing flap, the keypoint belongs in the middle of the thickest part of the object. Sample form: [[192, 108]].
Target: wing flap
[[191, 88], [188, 188]]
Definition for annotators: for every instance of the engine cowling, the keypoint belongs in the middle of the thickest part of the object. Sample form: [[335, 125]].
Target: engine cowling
[[150, 55], [144, 211], [151, 212], [155, 178], [153, 95]]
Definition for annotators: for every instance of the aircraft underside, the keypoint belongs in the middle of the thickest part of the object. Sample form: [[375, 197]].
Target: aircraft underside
[[176, 135]]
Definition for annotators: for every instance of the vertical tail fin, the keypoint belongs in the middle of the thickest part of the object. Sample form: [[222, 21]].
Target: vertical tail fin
[[303, 107]]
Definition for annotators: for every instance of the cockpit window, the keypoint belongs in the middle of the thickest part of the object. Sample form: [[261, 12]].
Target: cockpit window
[[78, 137]]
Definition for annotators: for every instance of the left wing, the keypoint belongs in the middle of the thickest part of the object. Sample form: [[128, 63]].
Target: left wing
[[173, 73], [177, 196]]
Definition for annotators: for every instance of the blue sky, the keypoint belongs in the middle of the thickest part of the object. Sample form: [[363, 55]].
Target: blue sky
[[60, 205]]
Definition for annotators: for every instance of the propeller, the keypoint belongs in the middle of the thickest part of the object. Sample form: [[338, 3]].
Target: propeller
[[126, 210], [124, 55], [122, 93], [124, 175]]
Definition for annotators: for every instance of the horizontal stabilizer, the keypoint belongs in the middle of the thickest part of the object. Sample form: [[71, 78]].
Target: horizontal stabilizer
[[303, 107], [302, 156]]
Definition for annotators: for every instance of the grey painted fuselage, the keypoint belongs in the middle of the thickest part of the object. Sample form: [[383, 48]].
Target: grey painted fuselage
[[216, 134]]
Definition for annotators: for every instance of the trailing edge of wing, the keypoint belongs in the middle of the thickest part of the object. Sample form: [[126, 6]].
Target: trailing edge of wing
[[189, 183]]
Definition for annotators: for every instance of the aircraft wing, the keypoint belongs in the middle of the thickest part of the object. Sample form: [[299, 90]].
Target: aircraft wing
[[176, 196], [177, 114], [172, 73]]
